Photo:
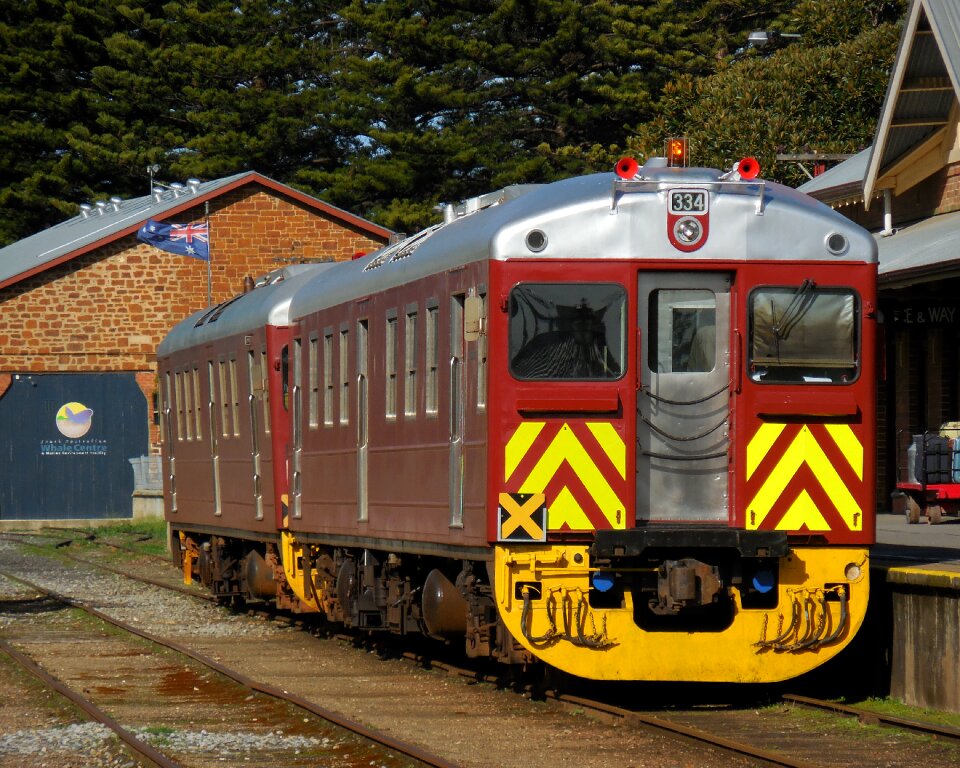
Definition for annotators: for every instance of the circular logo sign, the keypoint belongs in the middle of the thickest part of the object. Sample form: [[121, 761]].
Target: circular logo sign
[[74, 420]]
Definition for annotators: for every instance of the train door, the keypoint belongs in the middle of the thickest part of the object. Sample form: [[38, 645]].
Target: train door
[[683, 402], [457, 398], [363, 415], [296, 419], [252, 386], [214, 442]]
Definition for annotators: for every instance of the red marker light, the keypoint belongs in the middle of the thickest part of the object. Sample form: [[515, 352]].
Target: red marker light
[[626, 168], [748, 168]]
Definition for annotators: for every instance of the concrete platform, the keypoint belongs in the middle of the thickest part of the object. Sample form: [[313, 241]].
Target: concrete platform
[[916, 578]]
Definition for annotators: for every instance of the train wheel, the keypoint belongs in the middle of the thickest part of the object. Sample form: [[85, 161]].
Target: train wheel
[[913, 511], [934, 514]]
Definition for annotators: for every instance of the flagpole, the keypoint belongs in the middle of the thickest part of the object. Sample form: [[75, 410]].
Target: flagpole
[[206, 213]]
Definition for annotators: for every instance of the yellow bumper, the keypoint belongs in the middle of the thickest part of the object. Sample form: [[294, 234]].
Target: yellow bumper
[[811, 624]]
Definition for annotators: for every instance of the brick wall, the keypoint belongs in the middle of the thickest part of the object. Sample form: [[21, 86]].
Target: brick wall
[[108, 309]]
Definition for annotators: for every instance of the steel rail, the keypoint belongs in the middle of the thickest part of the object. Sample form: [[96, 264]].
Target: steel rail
[[628, 716], [876, 718], [377, 737], [127, 737]]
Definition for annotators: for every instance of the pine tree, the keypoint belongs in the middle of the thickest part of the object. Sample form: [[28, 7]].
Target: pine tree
[[452, 99], [95, 91]]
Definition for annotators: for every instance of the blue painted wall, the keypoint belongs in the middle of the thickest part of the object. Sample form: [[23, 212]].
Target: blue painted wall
[[65, 445]]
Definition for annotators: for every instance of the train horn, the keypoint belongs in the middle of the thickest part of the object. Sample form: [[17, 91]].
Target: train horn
[[626, 168], [748, 168]]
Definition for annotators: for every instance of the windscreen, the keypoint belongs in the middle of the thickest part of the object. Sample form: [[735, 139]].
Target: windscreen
[[803, 334], [567, 331]]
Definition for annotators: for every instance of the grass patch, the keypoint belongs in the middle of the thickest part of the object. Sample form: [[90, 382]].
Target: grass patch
[[895, 708], [146, 536]]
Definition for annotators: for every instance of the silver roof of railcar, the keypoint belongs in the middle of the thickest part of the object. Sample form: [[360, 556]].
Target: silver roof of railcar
[[268, 304], [586, 217], [600, 216]]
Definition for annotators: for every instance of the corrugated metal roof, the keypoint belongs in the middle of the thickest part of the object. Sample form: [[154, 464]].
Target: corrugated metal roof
[[916, 251], [847, 174], [924, 85], [111, 221]]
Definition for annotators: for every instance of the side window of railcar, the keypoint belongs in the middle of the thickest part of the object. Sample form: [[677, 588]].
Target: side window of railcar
[[328, 378], [234, 398], [433, 360], [390, 406], [410, 364], [197, 403], [567, 331], [803, 333], [682, 331], [314, 384], [178, 396], [344, 376], [224, 400]]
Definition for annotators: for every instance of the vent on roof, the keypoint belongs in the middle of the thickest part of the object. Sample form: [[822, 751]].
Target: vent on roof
[[174, 189], [403, 249], [102, 207]]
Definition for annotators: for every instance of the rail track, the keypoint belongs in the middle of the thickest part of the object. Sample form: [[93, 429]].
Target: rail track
[[155, 756], [741, 733]]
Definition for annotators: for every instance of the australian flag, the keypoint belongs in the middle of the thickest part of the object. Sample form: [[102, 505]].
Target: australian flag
[[185, 239]]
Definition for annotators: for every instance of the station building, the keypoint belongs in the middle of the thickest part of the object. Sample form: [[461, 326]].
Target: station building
[[83, 306], [905, 188]]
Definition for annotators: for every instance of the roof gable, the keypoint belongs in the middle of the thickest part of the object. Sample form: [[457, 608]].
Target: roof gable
[[917, 126], [114, 220]]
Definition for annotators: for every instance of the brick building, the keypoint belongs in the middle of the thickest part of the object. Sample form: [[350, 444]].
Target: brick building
[[84, 304], [906, 189]]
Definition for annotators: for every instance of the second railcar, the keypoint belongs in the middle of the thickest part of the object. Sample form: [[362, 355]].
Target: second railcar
[[619, 425]]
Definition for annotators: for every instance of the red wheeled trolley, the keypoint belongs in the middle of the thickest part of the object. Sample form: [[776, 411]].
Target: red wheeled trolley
[[929, 481]]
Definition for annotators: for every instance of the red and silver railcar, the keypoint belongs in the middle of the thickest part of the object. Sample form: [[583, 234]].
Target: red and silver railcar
[[622, 424]]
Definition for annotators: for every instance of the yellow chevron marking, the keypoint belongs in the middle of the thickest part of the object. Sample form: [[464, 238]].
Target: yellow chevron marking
[[518, 445], [848, 444], [761, 443], [804, 448], [612, 445], [803, 512], [565, 509], [566, 447]]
